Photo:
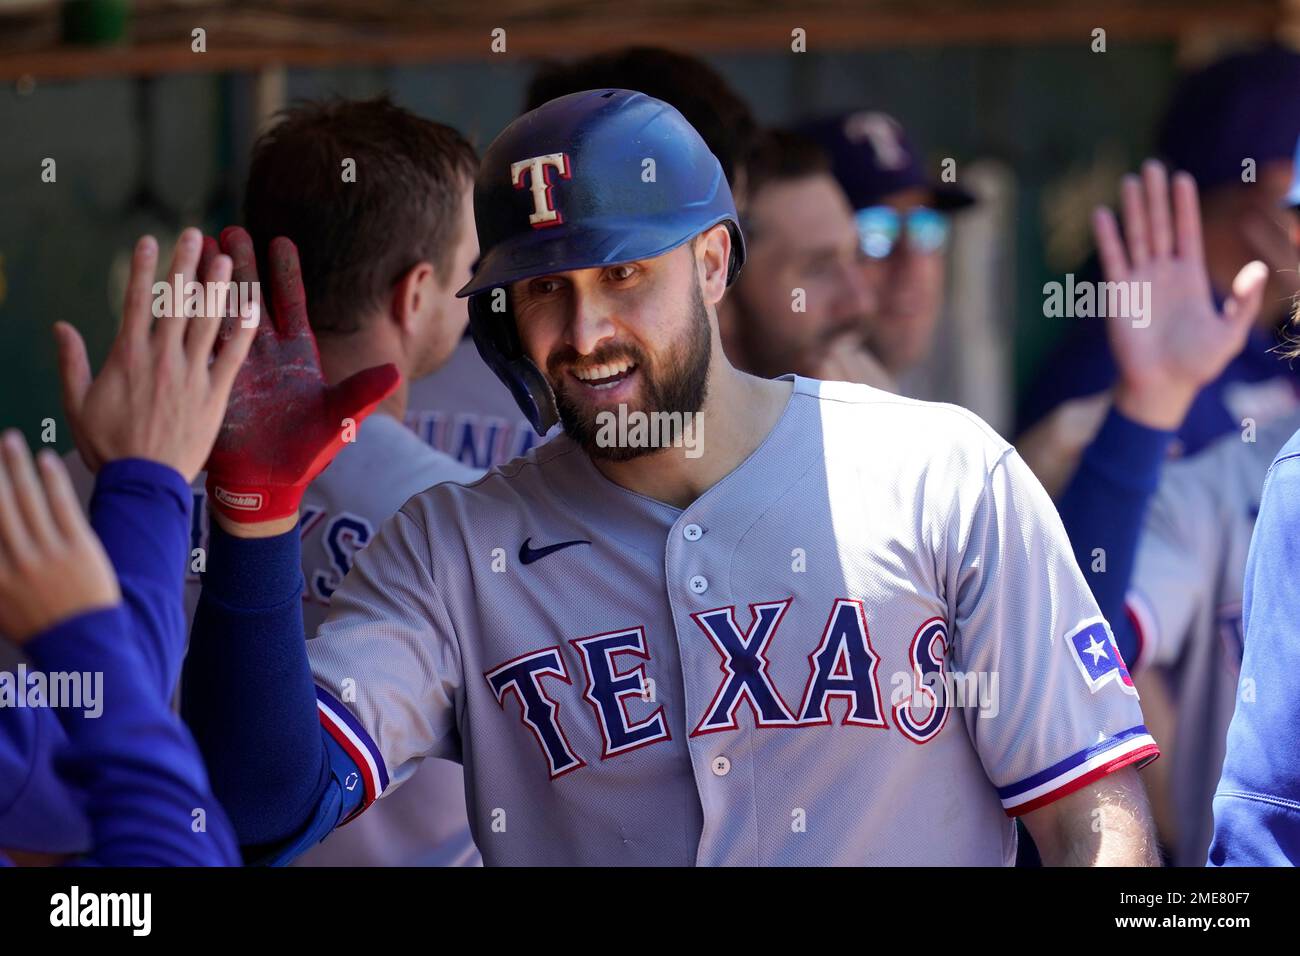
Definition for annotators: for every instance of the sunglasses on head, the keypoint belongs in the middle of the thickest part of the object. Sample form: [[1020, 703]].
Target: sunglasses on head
[[881, 228]]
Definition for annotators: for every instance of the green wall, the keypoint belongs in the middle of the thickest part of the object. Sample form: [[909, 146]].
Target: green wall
[[1043, 110]]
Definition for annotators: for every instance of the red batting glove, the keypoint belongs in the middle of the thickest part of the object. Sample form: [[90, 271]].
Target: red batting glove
[[283, 424]]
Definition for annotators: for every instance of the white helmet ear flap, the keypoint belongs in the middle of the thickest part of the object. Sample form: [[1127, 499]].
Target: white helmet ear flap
[[498, 343]]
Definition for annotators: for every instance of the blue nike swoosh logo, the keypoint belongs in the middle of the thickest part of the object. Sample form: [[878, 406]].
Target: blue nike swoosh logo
[[527, 555]]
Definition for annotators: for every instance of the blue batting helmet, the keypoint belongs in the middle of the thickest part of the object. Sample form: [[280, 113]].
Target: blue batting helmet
[[587, 180]]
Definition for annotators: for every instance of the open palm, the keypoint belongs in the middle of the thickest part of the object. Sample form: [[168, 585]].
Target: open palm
[[1181, 342], [284, 423]]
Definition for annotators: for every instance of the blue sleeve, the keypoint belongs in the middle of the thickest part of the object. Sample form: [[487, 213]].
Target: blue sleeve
[[250, 700], [146, 789], [1104, 506], [1257, 803], [141, 512]]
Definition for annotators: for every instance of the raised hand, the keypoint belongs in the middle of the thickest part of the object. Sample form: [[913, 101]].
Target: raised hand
[[1182, 342], [161, 394], [284, 424], [52, 567]]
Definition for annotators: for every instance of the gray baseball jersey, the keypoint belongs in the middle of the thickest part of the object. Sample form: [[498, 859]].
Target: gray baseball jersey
[[764, 677], [464, 411], [1185, 601], [341, 511]]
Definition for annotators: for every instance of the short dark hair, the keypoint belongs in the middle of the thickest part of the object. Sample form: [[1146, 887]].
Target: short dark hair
[[356, 238], [694, 88], [779, 155]]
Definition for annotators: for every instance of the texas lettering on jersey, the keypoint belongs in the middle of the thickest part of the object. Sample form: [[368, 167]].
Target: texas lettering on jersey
[[341, 537], [672, 684], [843, 665]]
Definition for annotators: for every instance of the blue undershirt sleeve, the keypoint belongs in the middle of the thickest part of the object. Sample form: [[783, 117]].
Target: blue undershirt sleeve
[[1104, 507]]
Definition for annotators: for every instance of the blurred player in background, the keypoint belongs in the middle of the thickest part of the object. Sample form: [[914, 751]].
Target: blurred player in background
[[1233, 127], [1257, 800], [695, 89], [1165, 553], [462, 408], [803, 303], [1185, 601], [408, 214], [903, 219]]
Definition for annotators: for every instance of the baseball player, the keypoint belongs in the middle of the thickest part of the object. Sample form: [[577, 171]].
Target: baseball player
[[1165, 554], [801, 236], [645, 655], [1166, 350], [462, 409], [1186, 602], [1245, 106], [351, 237], [464, 412], [903, 218], [293, 189], [1182, 604]]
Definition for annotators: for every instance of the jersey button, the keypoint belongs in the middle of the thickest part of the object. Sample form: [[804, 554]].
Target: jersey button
[[721, 766], [692, 532], [699, 584]]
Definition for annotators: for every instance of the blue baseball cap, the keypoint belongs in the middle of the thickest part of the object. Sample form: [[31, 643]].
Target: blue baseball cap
[[872, 157], [39, 812], [1245, 106]]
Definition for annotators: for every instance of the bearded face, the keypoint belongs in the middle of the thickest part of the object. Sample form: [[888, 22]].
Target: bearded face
[[674, 378]]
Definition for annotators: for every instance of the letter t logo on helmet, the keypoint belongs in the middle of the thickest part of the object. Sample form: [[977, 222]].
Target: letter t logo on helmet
[[538, 169], [603, 216]]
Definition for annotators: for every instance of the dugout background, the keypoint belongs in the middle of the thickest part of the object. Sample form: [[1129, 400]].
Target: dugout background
[[149, 136]]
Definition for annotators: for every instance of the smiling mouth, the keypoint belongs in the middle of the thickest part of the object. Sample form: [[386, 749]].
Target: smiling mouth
[[604, 376]]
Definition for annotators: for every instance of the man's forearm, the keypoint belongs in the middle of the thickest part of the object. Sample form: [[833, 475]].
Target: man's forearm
[[142, 776], [248, 693], [1105, 824], [141, 512], [1121, 840]]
